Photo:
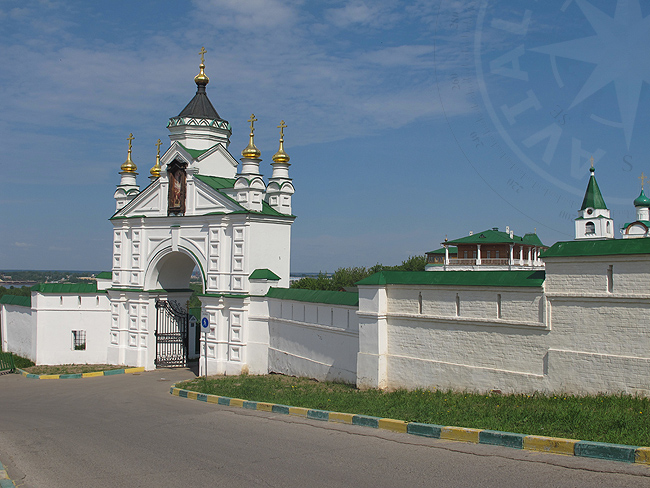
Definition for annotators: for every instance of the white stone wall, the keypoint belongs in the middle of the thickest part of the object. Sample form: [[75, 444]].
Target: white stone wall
[[316, 340], [18, 330], [56, 316]]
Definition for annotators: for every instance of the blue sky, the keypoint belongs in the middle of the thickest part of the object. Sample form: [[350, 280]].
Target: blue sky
[[407, 121]]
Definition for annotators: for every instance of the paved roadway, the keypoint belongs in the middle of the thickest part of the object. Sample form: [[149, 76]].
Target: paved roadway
[[128, 431]]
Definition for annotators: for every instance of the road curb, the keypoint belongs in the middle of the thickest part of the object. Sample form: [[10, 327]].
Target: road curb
[[5, 482], [94, 374], [552, 445]]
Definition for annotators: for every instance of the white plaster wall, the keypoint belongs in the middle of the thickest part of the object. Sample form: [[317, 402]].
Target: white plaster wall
[[270, 248], [315, 340], [57, 316], [18, 331]]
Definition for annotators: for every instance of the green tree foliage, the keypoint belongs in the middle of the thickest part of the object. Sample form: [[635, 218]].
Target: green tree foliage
[[347, 277], [24, 291]]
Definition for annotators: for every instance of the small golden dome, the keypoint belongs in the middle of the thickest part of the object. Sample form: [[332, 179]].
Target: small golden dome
[[251, 151], [155, 171], [281, 156], [129, 166], [201, 78]]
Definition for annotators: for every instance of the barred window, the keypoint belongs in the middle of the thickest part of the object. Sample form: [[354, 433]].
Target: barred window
[[79, 340]]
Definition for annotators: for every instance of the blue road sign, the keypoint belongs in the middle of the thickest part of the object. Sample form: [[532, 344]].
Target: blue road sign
[[205, 324]]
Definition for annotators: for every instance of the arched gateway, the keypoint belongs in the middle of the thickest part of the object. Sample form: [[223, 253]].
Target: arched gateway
[[198, 211]]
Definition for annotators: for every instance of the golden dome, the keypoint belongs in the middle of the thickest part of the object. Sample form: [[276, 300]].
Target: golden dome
[[281, 156], [129, 166], [155, 171], [251, 151], [201, 78]]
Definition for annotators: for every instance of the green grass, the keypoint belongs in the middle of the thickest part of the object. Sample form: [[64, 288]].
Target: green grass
[[22, 363], [620, 419]]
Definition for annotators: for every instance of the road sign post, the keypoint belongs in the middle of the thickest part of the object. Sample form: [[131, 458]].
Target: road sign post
[[205, 327]]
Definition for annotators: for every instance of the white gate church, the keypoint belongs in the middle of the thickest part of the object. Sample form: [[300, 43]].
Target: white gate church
[[199, 211]]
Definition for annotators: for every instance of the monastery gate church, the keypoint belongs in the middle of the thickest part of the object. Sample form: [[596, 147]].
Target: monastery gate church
[[498, 312]]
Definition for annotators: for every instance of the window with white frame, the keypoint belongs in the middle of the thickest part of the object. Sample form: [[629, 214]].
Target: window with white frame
[[79, 340]]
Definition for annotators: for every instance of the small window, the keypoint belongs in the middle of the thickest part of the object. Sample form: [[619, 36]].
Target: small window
[[590, 228], [474, 254], [496, 254], [465, 254], [79, 340]]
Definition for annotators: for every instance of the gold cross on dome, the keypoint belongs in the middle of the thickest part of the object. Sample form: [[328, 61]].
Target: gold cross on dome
[[130, 139], [158, 144], [251, 120], [202, 52], [642, 178], [282, 126]]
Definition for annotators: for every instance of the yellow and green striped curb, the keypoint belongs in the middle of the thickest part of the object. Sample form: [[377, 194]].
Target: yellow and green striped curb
[[5, 482], [554, 445], [109, 372]]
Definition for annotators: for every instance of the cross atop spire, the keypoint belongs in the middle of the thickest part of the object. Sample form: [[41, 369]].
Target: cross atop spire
[[282, 126], [202, 52], [642, 178], [251, 120], [129, 166]]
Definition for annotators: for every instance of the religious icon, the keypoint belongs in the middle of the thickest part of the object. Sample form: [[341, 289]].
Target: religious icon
[[177, 187]]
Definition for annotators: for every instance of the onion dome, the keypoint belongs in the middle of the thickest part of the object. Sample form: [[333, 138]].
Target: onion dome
[[202, 78], [155, 171], [642, 200], [251, 151], [129, 166], [281, 156]]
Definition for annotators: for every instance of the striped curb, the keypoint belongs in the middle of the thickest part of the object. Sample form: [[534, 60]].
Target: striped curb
[[552, 445], [110, 372], [5, 482]]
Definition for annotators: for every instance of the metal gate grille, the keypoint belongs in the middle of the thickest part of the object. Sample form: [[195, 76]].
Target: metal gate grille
[[171, 334]]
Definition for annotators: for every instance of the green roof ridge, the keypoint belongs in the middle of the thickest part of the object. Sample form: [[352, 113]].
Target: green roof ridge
[[105, 275], [593, 197], [606, 247], [65, 288], [494, 236], [457, 278], [264, 274], [346, 298], [18, 300]]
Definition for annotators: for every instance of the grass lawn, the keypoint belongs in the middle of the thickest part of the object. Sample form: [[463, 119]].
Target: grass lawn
[[620, 419]]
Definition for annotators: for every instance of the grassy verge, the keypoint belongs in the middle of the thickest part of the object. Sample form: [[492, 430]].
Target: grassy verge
[[71, 368], [620, 419], [22, 363]]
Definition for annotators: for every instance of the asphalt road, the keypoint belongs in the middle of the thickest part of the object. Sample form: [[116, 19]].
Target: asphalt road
[[128, 431]]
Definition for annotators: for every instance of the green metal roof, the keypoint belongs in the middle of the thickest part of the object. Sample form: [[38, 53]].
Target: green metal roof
[[195, 153], [16, 300], [494, 236], [457, 278], [216, 182], [315, 296], [593, 197], [105, 275], [606, 247], [642, 200], [77, 288], [452, 250], [264, 274], [644, 222]]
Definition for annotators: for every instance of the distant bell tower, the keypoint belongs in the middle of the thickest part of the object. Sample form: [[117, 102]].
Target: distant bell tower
[[594, 221]]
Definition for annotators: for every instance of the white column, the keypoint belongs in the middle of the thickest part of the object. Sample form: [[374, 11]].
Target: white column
[[478, 254], [521, 255], [446, 255], [512, 255]]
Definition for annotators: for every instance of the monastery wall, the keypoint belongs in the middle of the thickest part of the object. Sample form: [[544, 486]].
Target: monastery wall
[[315, 340], [18, 330], [57, 316]]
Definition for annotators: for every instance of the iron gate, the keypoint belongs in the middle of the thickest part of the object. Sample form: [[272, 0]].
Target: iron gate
[[171, 334]]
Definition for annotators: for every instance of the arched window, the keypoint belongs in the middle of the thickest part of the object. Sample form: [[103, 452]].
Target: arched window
[[590, 228], [609, 227]]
